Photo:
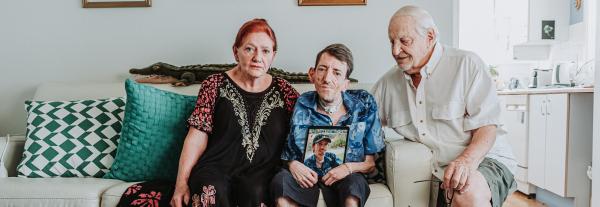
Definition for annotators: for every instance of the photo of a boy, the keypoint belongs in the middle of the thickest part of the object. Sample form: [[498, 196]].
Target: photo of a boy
[[321, 161]]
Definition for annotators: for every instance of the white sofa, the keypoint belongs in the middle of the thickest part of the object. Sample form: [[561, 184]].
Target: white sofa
[[406, 162]]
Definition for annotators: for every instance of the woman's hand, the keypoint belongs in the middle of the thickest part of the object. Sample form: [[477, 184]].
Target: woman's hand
[[335, 174], [181, 195], [304, 176], [193, 147]]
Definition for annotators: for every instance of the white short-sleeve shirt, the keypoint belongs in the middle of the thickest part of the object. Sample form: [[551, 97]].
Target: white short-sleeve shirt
[[455, 96]]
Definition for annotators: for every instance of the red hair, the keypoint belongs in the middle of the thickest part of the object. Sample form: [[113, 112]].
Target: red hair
[[252, 26]]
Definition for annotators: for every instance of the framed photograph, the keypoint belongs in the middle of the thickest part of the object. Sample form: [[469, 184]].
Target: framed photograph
[[331, 2], [325, 148], [116, 3], [548, 29]]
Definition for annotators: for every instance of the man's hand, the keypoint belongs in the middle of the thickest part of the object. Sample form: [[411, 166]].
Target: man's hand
[[335, 174], [456, 176], [181, 196], [304, 176]]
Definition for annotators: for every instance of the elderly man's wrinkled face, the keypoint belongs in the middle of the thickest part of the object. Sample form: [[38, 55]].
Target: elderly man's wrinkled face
[[409, 48]]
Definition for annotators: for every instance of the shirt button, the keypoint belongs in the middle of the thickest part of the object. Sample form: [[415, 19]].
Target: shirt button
[[421, 121], [435, 171], [420, 102], [423, 134]]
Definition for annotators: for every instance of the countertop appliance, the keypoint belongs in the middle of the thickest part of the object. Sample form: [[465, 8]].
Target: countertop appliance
[[560, 74], [540, 78]]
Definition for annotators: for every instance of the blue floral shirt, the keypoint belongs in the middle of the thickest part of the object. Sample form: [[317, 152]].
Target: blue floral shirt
[[365, 135], [330, 161]]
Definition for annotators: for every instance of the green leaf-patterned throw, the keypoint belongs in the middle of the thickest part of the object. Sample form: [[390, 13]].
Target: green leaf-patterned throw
[[71, 138]]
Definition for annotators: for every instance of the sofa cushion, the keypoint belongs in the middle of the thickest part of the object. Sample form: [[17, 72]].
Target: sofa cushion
[[71, 138], [83, 192], [153, 132]]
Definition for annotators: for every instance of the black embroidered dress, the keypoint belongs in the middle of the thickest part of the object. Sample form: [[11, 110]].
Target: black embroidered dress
[[246, 132]]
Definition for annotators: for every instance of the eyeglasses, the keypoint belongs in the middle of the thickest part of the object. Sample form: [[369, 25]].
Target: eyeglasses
[[448, 194]]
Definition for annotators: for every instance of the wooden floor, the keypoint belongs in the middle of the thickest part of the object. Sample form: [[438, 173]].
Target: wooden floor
[[519, 199]]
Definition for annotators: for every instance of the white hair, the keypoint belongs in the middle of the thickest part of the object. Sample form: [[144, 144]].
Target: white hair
[[422, 18]]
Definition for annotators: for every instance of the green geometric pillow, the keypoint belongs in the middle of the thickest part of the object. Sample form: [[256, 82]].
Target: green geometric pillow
[[71, 138], [154, 129]]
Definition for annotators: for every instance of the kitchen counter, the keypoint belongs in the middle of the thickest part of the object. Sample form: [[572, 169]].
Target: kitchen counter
[[545, 91]]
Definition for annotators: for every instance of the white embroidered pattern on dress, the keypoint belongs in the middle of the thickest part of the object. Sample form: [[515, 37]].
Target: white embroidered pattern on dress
[[250, 138]]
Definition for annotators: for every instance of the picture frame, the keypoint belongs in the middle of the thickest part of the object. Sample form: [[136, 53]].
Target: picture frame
[[116, 3], [331, 143], [331, 2], [548, 29]]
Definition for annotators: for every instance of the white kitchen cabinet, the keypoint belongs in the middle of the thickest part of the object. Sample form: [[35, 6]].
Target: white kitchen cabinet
[[560, 143], [537, 138], [549, 132]]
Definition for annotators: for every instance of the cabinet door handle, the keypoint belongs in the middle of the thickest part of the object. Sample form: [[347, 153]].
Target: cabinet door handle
[[522, 117], [542, 107], [548, 112]]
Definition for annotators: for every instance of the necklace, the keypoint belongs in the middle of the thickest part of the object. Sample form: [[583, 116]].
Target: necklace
[[330, 109]]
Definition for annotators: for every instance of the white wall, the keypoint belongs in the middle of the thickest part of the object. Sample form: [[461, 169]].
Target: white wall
[[49, 41], [552, 10]]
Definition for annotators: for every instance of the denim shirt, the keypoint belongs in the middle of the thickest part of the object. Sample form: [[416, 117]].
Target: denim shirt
[[329, 162], [365, 135]]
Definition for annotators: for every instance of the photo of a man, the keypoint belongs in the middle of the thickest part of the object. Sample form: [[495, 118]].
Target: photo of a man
[[321, 161]]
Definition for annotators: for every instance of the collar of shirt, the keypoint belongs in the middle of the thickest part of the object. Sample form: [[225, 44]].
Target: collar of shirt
[[350, 102]]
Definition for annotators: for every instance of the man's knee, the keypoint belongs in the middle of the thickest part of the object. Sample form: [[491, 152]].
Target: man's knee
[[279, 180], [352, 201], [478, 194], [285, 202], [354, 180], [472, 198]]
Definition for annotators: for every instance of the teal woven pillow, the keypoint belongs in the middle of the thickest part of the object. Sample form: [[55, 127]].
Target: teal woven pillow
[[154, 129]]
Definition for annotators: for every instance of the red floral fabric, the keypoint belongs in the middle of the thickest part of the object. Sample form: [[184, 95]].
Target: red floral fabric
[[202, 116], [289, 94], [133, 189], [148, 194], [151, 199], [206, 199]]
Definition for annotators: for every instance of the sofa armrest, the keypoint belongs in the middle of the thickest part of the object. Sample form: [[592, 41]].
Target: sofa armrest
[[13, 153], [407, 162]]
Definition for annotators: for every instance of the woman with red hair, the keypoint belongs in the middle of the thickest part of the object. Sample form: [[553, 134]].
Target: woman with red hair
[[236, 133], [237, 129]]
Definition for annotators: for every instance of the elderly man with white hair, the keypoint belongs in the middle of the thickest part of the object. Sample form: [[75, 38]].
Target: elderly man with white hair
[[445, 99]]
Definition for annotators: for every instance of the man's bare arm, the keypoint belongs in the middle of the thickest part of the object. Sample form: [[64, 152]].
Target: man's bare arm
[[457, 173]]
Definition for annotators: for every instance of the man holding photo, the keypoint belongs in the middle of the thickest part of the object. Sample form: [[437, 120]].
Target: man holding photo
[[330, 105], [321, 161]]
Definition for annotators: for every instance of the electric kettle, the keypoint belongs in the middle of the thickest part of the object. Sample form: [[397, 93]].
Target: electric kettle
[[560, 74]]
